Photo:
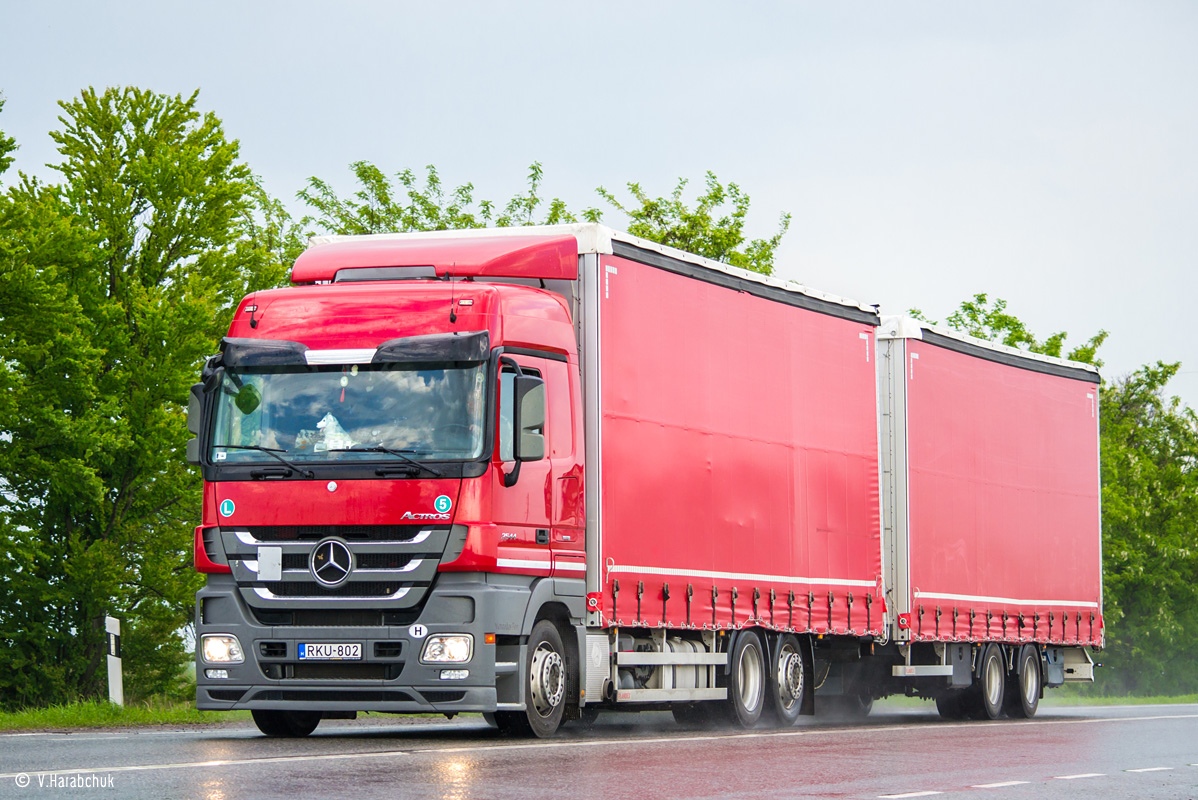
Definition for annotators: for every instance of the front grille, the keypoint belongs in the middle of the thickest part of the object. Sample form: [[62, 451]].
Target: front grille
[[388, 649], [312, 533], [365, 560], [273, 649], [334, 695], [333, 617], [345, 672], [351, 589]]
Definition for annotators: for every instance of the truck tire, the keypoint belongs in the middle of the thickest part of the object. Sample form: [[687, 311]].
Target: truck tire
[[746, 681], [544, 686], [986, 697], [286, 724], [1024, 684], [787, 682]]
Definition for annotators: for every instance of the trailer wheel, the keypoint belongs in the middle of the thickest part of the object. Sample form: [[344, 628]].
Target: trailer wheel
[[1024, 684], [787, 682], [986, 700], [544, 686], [746, 689], [286, 724]]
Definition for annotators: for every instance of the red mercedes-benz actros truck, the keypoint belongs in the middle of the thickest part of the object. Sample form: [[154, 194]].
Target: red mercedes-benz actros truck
[[541, 472]]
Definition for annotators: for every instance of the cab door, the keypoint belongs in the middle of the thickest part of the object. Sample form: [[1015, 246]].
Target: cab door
[[540, 518]]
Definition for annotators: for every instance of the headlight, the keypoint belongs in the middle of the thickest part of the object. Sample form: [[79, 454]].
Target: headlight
[[454, 648], [220, 648]]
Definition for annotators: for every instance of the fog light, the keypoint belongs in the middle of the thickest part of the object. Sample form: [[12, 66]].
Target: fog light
[[220, 648], [455, 674], [216, 674], [454, 648]]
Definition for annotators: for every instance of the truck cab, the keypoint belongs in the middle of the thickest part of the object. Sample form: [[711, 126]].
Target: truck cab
[[393, 483]]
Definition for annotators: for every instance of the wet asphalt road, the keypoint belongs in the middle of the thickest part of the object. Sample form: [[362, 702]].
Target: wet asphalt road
[[1091, 752]]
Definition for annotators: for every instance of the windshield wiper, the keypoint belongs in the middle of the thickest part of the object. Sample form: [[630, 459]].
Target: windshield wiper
[[273, 453], [380, 449]]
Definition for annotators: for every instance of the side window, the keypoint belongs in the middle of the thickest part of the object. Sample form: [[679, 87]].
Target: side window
[[507, 402]]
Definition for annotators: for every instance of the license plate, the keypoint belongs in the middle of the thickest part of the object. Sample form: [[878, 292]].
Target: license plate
[[330, 652]]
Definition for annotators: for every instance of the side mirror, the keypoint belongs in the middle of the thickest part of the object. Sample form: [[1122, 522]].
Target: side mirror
[[193, 452], [530, 418], [195, 407]]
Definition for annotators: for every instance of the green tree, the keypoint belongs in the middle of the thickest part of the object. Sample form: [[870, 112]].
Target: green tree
[[116, 284], [669, 221], [1149, 453], [381, 206], [1150, 523], [985, 319]]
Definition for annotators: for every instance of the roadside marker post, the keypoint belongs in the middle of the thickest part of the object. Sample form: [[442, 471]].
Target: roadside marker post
[[116, 686]]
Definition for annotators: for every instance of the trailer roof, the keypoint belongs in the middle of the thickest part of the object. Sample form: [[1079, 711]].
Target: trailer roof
[[900, 327], [529, 252]]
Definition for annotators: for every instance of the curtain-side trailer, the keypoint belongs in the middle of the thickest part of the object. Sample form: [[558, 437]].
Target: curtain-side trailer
[[541, 472]]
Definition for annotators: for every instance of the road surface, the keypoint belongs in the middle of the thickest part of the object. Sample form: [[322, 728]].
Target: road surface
[[1092, 752]]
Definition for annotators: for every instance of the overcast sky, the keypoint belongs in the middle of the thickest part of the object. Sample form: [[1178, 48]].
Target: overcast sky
[[1044, 152]]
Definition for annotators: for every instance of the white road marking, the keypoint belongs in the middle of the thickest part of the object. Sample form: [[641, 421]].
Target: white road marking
[[908, 794], [548, 745], [1150, 769], [999, 785], [1082, 775]]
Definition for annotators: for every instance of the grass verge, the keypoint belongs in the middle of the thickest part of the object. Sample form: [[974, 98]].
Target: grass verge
[[100, 714]]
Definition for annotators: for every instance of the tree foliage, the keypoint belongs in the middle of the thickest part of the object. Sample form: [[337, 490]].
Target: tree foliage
[[669, 221], [1150, 525], [1149, 452], [115, 285], [382, 206], [986, 319]]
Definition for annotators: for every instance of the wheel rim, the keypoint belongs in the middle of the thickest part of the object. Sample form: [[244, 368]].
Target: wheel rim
[[1031, 681], [790, 677], [993, 681], [547, 676], [749, 674]]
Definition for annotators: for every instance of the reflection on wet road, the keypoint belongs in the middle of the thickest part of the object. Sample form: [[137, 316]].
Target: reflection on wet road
[[1141, 751]]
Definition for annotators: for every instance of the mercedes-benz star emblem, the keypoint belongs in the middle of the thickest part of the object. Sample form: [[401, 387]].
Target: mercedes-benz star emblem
[[331, 562]]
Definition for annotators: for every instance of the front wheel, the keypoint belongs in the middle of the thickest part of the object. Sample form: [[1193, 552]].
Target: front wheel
[[544, 686], [286, 724]]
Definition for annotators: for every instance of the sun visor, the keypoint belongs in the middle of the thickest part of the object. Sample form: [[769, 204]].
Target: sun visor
[[466, 346], [239, 352]]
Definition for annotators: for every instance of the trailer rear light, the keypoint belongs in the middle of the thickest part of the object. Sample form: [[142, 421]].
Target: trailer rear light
[[209, 555], [221, 648]]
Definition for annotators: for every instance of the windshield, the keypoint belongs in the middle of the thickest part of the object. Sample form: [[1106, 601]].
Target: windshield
[[313, 413]]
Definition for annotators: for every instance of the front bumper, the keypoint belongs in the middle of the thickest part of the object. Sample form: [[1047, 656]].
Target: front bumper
[[388, 678]]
